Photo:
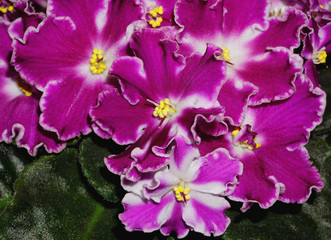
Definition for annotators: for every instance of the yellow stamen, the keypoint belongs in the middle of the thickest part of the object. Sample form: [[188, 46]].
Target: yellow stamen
[[10, 8], [24, 87], [320, 56], [235, 132], [321, 6], [155, 15], [97, 62], [245, 143], [163, 109], [3, 10], [182, 194], [226, 54]]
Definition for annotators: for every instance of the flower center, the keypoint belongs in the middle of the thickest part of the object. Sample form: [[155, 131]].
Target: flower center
[[245, 137], [155, 19], [326, 7], [6, 8], [181, 193], [24, 87], [163, 109], [320, 56], [97, 62], [225, 55]]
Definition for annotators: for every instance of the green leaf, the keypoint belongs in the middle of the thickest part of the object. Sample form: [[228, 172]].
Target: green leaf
[[320, 208], [93, 150], [51, 202], [12, 162]]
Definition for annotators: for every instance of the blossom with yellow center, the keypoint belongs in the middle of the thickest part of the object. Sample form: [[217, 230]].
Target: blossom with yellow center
[[97, 62]]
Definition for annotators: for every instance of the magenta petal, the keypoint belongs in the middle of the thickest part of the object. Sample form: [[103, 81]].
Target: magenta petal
[[221, 169], [133, 78], [20, 123], [289, 26], [161, 65], [139, 157], [69, 116], [113, 109], [51, 52], [240, 15], [193, 16], [287, 124], [205, 213], [116, 25], [254, 184], [83, 13], [203, 75], [234, 96], [175, 222], [147, 216], [273, 85], [20, 25], [294, 171]]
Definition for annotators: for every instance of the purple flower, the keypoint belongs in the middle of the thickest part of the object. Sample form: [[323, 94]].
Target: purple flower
[[186, 195], [69, 55], [162, 94], [254, 50], [19, 106], [270, 144], [316, 49]]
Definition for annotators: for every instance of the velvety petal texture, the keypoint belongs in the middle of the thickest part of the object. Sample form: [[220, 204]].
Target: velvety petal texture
[[155, 77], [199, 206], [253, 49], [19, 106], [59, 53], [271, 148]]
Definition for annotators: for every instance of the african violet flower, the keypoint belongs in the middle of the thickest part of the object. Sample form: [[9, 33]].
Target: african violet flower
[[19, 106], [186, 195], [255, 52], [162, 94], [270, 144], [68, 57], [317, 47]]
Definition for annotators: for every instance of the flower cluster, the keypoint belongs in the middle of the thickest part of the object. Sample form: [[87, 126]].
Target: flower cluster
[[214, 100]]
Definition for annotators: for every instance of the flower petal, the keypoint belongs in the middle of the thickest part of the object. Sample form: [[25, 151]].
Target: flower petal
[[69, 115], [113, 109], [147, 216], [221, 169], [205, 213], [51, 52]]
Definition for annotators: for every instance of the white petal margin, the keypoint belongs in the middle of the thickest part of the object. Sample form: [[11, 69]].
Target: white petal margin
[[205, 213], [148, 216]]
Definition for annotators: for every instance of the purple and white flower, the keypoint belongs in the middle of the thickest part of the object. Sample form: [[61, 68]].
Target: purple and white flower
[[68, 57], [270, 144], [162, 94], [19, 105], [186, 195]]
